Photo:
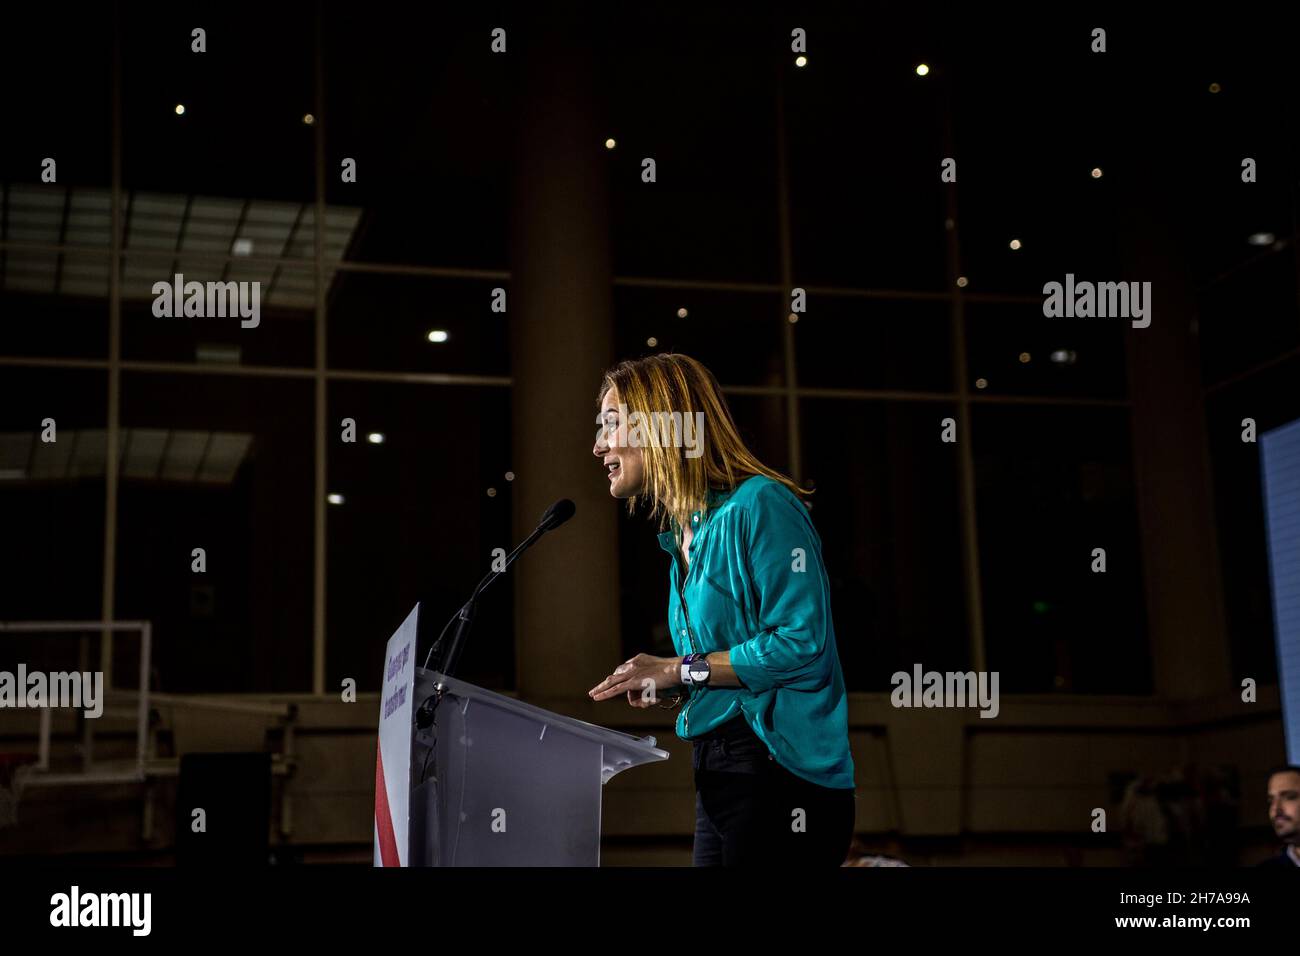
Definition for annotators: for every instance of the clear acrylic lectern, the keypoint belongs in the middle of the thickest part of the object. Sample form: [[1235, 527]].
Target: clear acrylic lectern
[[497, 782]]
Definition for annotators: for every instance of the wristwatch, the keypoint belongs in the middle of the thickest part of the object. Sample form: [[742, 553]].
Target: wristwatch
[[695, 670]]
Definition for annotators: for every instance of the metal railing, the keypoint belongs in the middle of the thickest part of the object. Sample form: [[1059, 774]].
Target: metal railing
[[146, 766], [90, 773]]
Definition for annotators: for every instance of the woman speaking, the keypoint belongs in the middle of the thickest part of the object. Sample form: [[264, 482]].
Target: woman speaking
[[758, 681]]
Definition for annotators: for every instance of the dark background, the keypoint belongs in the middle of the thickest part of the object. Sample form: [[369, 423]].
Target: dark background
[[221, 423]]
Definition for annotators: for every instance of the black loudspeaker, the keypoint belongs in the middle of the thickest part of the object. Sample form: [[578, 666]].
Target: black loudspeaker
[[233, 791]]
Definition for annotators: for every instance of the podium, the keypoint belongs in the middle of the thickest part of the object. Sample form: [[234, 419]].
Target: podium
[[492, 781]]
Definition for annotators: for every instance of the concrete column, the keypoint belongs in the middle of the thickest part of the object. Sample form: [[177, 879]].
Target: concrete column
[[1189, 646], [561, 340]]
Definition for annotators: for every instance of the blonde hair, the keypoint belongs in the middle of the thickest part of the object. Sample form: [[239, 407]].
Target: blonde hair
[[675, 485]]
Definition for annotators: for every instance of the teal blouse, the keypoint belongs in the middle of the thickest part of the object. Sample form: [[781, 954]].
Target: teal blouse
[[756, 587]]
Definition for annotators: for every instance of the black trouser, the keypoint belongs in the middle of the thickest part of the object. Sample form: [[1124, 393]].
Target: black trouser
[[746, 806]]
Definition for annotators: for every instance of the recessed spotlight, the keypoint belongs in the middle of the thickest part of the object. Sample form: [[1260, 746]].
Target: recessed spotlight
[[1015, 243], [438, 335], [962, 282], [308, 119], [492, 492], [1261, 239], [1096, 172], [1215, 87], [792, 318], [180, 109], [801, 61], [510, 476], [609, 143], [922, 69], [335, 499], [681, 313], [1064, 356], [1024, 358], [375, 438], [981, 383], [652, 342]]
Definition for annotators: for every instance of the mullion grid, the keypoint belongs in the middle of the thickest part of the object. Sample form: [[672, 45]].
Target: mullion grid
[[322, 374]]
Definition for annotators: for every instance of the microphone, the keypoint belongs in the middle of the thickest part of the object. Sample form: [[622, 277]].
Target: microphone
[[554, 516], [557, 514]]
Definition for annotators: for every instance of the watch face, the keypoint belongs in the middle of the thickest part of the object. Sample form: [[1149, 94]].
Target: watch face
[[699, 669]]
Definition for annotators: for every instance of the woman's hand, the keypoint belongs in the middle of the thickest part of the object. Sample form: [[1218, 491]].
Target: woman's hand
[[631, 678], [634, 699]]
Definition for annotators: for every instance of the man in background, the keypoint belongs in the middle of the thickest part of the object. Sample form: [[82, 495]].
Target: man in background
[[1284, 814]]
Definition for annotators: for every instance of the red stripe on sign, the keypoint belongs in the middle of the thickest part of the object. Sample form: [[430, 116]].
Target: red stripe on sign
[[383, 816]]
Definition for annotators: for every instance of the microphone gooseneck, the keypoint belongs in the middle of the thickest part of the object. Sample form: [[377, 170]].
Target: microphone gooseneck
[[554, 516]]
